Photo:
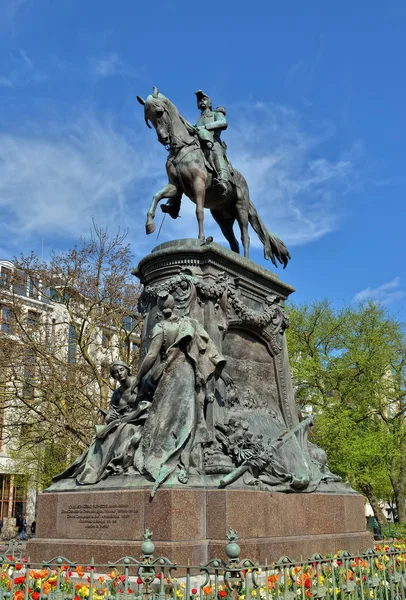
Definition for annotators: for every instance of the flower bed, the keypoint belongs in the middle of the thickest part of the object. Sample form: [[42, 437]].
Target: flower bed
[[379, 573]]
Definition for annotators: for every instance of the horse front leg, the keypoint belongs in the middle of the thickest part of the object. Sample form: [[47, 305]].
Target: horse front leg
[[169, 191], [199, 189]]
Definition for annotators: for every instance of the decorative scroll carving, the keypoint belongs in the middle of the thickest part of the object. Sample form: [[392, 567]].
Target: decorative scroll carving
[[188, 289], [272, 316]]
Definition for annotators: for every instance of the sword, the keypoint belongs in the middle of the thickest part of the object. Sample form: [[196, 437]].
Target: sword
[[162, 222]]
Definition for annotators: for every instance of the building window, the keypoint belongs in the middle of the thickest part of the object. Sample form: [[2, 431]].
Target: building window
[[32, 318], [13, 496], [20, 497], [52, 336], [20, 283], [57, 295], [54, 295], [5, 319], [129, 347], [72, 345], [33, 288], [5, 277], [130, 323]]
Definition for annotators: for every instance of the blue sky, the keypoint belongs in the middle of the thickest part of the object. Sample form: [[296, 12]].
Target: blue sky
[[315, 95]]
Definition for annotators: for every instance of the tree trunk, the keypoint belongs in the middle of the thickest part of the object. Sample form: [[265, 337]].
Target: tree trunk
[[399, 493], [398, 481], [367, 490], [400, 506]]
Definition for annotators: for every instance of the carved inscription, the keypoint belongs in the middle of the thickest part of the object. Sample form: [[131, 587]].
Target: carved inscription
[[98, 516]]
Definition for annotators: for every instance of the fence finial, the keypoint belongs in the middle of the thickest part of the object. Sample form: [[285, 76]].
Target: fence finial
[[232, 549], [147, 545]]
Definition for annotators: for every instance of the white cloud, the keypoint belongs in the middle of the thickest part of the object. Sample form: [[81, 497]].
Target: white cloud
[[295, 188], [52, 185], [297, 191], [22, 72], [385, 293], [297, 66], [109, 65], [26, 58]]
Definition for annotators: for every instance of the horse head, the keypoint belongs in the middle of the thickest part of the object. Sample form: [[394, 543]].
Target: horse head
[[172, 130]]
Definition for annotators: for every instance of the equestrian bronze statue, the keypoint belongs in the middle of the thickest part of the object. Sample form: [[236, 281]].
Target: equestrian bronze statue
[[198, 167]]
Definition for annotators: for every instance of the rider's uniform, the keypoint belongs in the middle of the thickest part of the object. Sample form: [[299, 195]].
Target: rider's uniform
[[210, 125]]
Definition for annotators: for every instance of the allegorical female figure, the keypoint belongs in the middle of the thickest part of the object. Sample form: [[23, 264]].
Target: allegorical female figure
[[111, 451], [183, 361]]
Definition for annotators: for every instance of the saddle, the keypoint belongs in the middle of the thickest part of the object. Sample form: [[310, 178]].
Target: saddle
[[202, 140]]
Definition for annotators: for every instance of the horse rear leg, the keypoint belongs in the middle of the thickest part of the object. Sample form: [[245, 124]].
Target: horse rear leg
[[226, 226], [169, 191]]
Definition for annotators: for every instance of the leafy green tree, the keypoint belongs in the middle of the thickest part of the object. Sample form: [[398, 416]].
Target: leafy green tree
[[349, 365]]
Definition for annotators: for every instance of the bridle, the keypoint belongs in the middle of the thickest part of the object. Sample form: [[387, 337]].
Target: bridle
[[173, 145]]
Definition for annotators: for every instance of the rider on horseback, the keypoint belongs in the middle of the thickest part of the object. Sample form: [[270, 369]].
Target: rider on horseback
[[189, 173], [209, 127]]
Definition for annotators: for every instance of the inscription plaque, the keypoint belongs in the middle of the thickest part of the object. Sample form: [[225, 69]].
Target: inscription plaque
[[98, 516], [94, 515]]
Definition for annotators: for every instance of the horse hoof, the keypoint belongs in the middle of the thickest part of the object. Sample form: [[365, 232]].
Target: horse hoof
[[150, 228]]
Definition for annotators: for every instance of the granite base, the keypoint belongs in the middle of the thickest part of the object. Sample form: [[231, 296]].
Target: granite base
[[189, 526]]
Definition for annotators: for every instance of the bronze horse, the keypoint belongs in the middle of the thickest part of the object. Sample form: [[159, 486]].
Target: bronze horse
[[189, 174]]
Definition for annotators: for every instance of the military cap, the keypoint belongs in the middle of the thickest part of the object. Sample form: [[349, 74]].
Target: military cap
[[200, 94]]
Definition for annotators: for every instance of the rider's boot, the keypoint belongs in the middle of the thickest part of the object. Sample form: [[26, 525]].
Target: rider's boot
[[172, 207], [222, 173], [222, 182]]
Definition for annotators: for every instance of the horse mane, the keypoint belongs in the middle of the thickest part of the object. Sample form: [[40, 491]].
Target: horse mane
[[188, 125]]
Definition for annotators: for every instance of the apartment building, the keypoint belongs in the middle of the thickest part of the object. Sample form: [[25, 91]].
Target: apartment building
[[40, 322]]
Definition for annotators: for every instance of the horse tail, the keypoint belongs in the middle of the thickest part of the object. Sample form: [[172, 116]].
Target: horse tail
[[273, 246]]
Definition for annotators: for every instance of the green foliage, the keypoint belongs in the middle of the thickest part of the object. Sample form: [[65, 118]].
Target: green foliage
[[397, 531], [349, 365], [40, 463]]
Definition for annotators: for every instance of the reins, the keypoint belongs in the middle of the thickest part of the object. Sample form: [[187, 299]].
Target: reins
[[175, 149]]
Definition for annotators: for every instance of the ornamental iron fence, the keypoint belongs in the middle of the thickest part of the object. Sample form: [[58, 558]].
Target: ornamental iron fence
[[378, 573]]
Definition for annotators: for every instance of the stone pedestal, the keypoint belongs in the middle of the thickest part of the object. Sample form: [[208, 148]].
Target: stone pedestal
[[189, 526], [240, 306]]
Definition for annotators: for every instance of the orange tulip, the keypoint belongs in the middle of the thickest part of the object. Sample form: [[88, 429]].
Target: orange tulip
[[47, 587]]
